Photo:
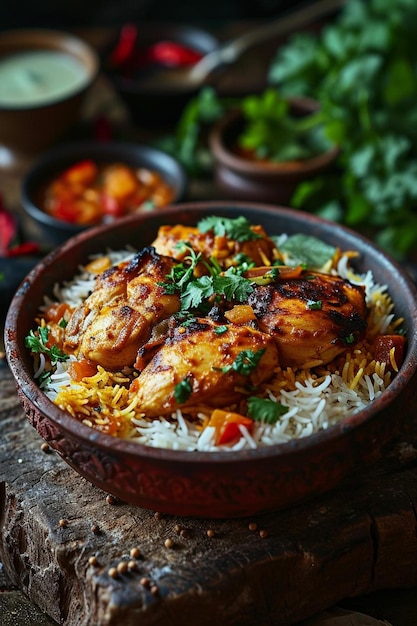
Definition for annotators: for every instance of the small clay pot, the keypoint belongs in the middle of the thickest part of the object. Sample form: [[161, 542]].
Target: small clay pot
[[244, 179]]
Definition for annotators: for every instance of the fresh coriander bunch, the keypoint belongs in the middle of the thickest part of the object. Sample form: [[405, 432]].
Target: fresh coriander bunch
[[272, 131], [362, 68]]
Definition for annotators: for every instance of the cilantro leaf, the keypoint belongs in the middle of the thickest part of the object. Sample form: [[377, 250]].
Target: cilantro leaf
[[265, 410], [238, 229], [196, 291], [232, 285], [37, 343], [245, 362], [182, 391], [307, 250]]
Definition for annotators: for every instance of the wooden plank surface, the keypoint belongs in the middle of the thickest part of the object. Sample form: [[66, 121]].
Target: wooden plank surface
[[61, 538]]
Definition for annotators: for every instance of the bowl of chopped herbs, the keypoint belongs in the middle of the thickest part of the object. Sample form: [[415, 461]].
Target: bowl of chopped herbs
[[264, 147]]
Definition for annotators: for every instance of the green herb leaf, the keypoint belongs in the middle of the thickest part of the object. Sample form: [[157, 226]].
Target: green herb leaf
[[245, 362], [265, 410], [237, 229], [307, 250], [315, 305], [36, 342], [182, 391]]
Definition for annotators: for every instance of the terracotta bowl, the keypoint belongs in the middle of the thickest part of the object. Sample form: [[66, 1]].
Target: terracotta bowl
[[242, 179], [150, 101], [220, 484], [50, 230], [28, 128]]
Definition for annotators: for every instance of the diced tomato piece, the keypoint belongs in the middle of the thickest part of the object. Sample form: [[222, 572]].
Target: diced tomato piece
[[119, 181], [82, 369], [82, 172], [112, 206], [56, 312], [64, 210]]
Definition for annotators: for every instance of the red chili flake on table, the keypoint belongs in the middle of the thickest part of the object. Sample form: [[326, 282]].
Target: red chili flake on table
[[10, 245]]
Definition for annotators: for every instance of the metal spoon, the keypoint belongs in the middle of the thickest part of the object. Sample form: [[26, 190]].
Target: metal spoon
[[231, 51]]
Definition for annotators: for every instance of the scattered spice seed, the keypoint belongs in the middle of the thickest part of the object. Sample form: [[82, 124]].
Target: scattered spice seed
[[263, 534], [154, 590], [93, 561], [184, 533], [253, 526], [135, 553], [45, 448], [111, 499], [177, 529], [95, 529], [63, 523], [169, 543], [113, 573], [132, 566], [122, 567], [157, 515], [145, 582], [210, 533]]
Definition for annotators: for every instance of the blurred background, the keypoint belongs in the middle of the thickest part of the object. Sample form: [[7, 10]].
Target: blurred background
[[75, 13]]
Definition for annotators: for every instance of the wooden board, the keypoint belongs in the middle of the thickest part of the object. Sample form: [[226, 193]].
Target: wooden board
[[274, 569]]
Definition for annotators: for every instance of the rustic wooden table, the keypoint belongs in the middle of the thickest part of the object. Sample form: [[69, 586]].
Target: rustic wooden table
[[349, 553]]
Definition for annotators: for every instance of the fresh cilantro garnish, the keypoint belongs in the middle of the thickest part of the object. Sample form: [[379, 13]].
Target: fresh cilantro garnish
[[220, 330], [238, 229], [244, 262], [232, 285], [62, 323], [182, 391], [307, 250], [361, 68], [315, 305], [181, 273], [196, 291], [37, 342], [265, 410], [349, 339], [245, 362]]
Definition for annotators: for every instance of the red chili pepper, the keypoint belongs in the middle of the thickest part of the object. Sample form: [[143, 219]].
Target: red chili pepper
[[8, 229], [173, 54], [125, 47], [103, 130], [28, 247]]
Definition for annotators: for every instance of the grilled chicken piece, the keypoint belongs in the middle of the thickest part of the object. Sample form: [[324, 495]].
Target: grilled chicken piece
[[261, 251], [117, 318], [312, 318], [197, 354]]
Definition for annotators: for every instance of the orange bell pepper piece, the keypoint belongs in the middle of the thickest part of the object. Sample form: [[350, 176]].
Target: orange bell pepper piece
[[227, 425]]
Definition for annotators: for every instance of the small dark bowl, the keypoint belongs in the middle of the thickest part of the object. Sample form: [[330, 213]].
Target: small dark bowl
[[218, 484], [52, 231], [243, 179], [162, 103]]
